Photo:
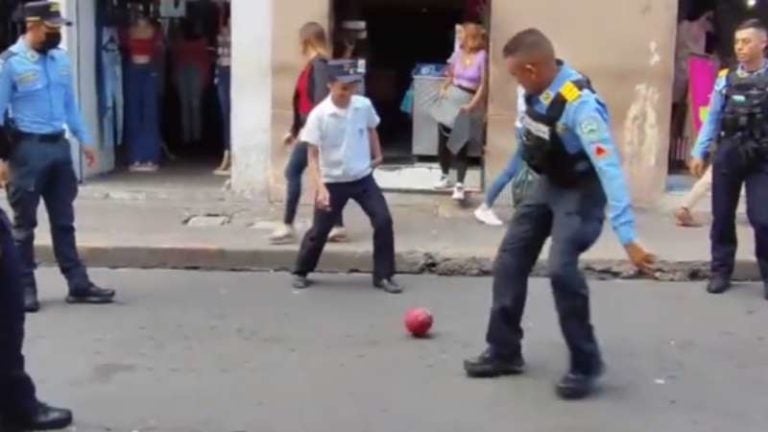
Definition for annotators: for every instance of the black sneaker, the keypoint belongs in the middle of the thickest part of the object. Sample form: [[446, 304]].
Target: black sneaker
[[91, 295], [578, 385], [300, 282], [388, 286], [718, 285], [487, 365]]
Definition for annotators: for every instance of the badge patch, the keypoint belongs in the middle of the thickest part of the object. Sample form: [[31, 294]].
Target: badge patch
[[600, 151], [27, 78], [591, 128], [546, 97]]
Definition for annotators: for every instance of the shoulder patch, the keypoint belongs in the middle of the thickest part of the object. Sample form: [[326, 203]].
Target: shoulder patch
[[592, 128], [570, 92], [723, 73]]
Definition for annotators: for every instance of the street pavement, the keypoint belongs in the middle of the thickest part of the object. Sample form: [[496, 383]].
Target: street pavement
[[225, 352]]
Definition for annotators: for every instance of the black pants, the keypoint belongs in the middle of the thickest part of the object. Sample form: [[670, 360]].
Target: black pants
[[574, 218], [729, 173], [17, 392], [446, 157], [370, 198], [44, 170]]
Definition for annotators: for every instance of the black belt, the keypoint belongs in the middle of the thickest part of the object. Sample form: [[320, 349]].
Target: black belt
[[51, 138]]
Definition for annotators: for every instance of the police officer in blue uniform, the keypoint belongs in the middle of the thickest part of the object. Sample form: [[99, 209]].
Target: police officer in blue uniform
[[37, 100], [567, 140], [738, 120]]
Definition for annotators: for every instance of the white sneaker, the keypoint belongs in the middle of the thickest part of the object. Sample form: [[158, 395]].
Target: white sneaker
[[338, 235], [444, 183], [458, 192], [487, 216], [283, 235]]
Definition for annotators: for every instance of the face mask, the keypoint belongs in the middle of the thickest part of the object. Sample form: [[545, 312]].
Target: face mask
[[52, 41]]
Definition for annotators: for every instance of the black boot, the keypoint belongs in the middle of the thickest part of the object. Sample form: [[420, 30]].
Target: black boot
[[718, 284], [489, 365], [31, 303], [91, 295], [578, 384], [44, 418]]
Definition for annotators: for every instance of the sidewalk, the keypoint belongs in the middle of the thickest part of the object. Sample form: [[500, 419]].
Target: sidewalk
[[203, 227]]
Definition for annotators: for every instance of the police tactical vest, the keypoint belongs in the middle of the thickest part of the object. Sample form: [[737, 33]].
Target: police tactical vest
[[745, 117], [542, 147]]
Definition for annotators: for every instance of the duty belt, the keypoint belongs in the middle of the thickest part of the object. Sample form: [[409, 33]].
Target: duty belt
[[51, 138]]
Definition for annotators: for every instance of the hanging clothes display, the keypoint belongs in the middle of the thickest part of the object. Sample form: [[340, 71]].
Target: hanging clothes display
[[112, 102], [173, 8]]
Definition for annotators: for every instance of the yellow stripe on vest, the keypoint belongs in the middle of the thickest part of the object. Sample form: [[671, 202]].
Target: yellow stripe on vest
[[570, 92]]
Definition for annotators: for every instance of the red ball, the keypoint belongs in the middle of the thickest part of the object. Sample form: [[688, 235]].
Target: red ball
[[418, 321]]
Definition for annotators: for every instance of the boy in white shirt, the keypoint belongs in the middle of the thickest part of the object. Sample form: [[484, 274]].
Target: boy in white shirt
[[344, 150]]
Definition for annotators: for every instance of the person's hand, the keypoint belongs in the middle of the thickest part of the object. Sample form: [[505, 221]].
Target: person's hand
[[641, 258], [467, 108], [91, 157], [375, 163], [289, 139], [323, 199], [697, 166], [4, 174]]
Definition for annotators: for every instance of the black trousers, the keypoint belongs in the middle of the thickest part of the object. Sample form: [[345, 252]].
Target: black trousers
[[446, 158], [370, 198], [17, 392], [574, 219], [729, 173]]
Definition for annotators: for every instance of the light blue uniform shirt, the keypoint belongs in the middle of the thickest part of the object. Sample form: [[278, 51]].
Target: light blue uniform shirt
[[343, 138], [712, 124], [39, 92], [585, 126]]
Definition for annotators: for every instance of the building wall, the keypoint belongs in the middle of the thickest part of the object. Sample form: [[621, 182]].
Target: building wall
[[629, 58], [630, 65], [252, 81]]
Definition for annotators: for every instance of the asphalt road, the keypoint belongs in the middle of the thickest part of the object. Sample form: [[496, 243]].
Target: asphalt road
[[226, 352]]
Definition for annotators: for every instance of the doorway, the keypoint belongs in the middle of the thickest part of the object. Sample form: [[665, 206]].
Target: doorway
[[704, 46], [395, 39]]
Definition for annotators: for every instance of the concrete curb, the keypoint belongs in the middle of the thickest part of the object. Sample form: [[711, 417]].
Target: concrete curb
[[345, 261]]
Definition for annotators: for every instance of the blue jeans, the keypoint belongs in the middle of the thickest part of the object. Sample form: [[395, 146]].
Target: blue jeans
[[505, 178], [142, 122], [111, 104], [44, 170], [17, 396], [297, 164], [224, 89]]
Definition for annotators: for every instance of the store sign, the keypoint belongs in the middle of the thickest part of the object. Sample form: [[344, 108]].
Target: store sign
[[702, 73]]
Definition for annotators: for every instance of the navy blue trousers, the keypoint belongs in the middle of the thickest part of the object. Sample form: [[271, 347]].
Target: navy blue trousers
[[573, 218]]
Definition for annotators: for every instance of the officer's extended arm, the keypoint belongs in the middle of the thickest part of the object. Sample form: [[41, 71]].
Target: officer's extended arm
[[711, 125], [591, 126], [6, 86], [75, 118]]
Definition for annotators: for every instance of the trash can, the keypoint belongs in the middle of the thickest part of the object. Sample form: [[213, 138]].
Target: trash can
[[427, 81]]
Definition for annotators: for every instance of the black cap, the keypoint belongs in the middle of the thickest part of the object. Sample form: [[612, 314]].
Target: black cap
[[344, 71], [47, 11]]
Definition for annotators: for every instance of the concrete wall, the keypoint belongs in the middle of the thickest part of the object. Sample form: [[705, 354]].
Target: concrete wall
[[627, 49], [252, 80]]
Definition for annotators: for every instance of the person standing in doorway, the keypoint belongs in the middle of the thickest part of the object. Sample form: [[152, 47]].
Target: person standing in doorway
[[344, 150], [192, 63], [737, 114], [567, 140], [37, 101], [142, 114], [461, 99], [311, 89], [223, 86]]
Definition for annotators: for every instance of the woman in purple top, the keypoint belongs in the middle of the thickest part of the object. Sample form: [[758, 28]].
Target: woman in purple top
[[463, 93]]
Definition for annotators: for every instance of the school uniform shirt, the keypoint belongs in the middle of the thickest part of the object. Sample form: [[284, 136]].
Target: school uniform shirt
[[341, 135]]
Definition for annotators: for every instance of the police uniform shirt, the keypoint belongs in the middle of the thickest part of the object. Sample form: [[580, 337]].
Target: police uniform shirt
[[39, 92], [585, 126], [342, 136], [711, 127]]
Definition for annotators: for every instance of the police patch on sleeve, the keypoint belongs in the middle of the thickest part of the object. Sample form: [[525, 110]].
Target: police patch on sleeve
[[592, 128]]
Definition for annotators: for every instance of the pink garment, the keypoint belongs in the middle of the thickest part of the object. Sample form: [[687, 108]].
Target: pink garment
[[468, 76]]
